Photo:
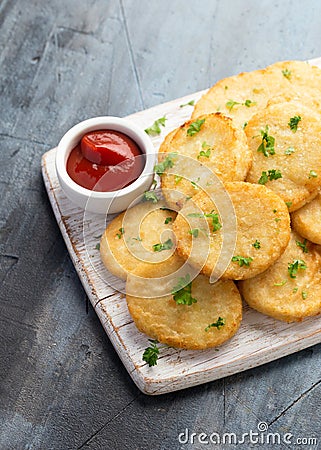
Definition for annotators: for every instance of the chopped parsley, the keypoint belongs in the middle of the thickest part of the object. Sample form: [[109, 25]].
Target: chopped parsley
[[166, 246], [313, 174], [194, 232], [288, 204], [195, 127], [206, 152], [190, 103], [289, 151], [267, 144], [244, 125], [257, 244], [151, 353], [287, 73], [295, 290], [281, 283], [231, 103], [150, 196], [242, 261], [155, 129], [182, 292], [97, 246], [168, 162], [293, 268], [218, 324], [121, 232], [195, 186], [212, 215], [304, 295], [272, 174], [293, 124], [167, 220], [177, 179], [303, 246]]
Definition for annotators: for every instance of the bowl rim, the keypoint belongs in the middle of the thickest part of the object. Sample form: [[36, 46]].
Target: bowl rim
[[74, 134]]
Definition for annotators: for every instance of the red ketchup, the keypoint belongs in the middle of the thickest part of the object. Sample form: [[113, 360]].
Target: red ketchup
[[105, 160]]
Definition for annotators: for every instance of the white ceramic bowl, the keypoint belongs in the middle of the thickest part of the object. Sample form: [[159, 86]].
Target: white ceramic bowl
[[103, 202]]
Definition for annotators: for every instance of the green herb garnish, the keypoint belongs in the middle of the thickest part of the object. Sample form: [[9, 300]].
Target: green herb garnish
[[168, 162], [182, 292], [168, 219], [218, 324], [313, 174], [288, 204], [194, 232], [303, 245], [281, 283], [257, 244], [121, 232], [272, 174], [191, 103], [212, 215], [177, 179], [293, 268], [150, 196], [155, 129], [166, 246], [242, 261], [97, 246], [293, 124], [206, 152], [151, 353], [244, 125], [267, 144], [289, 151], [231, 103], [304, 295], [195, 127], [286, 73]]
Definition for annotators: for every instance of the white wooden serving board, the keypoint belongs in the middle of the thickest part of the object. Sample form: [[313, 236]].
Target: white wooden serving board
[[260, 339]]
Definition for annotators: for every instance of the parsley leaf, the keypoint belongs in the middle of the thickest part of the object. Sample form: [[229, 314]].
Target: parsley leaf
[[287, 73], [194, 232], [293, 124], [267, 144], [272, 174], [195, 127], [177, 179], [295, 266], [206, 152], [304, 295], [150, 196], [288, 204], [182, 292], [303, 246], [121, 232], [313, 174], [151, 353], [282, 283], [97, 247], [218, 324], [168, 219], [166, 246], [155, 129], [244, 125], [242, 261], [257, 244], [212, 215], [289, 151], [168, 162], [190, 103], [231, 103]]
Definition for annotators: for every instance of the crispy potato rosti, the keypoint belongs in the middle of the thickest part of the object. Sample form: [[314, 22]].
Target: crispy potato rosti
[[262, 234], [285, 139], [218, 146], [182, 325], [129, 239], [243, 95], [307, 220], [290, 289]]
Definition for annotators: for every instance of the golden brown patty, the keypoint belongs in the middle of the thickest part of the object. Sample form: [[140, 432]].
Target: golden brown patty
[[307, 220], [281, 296], [182, 325], [218, 147], [262, 233], [293, 153]]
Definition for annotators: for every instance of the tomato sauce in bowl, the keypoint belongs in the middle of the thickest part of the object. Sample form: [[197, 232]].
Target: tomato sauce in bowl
[[105, 161]]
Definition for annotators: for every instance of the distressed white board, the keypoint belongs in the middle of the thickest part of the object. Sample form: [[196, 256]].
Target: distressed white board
[[260, 339]]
